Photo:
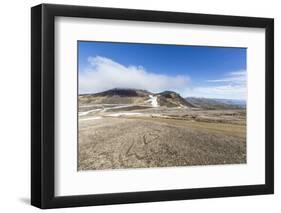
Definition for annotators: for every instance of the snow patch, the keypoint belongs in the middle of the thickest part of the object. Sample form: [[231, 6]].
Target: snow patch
[[124, 114], [87, 112], [104, 109], [91, 118], [153, 101]]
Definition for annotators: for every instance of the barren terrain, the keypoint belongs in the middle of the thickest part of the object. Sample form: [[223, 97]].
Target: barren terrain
[[136, 135]]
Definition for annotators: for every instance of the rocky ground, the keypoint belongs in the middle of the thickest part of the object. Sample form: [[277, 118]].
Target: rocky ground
[[113, 136]]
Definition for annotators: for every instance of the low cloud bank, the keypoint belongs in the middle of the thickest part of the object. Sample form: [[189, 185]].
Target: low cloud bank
[[104, 73]]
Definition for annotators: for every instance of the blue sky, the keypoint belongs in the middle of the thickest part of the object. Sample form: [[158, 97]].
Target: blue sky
[[212, 72]]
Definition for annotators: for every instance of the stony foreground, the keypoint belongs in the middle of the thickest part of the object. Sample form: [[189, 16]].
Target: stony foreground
[[142, 138]]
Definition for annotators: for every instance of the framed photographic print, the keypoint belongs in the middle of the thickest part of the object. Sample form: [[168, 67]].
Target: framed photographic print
[[139, 106]]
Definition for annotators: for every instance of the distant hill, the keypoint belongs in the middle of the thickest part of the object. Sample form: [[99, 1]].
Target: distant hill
[[235, 102], [135, 96], [172, 99], [210, 103], [122, 92]]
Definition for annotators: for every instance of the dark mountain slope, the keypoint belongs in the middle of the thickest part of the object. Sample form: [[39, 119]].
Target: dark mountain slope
[[136, 97], [209, 103]]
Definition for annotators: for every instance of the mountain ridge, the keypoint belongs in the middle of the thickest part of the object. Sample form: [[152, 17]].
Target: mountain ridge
[[135, 96], [216, 103], [166, 98]]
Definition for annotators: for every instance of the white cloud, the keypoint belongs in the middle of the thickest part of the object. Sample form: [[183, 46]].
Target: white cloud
[[104, 73], [232, 86], [238, 77], [223, 91]]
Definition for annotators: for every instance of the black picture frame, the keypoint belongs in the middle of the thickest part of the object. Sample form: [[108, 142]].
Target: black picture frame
[[43, 105]]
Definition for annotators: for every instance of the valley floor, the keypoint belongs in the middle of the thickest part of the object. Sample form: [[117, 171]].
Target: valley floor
[[127, 136]]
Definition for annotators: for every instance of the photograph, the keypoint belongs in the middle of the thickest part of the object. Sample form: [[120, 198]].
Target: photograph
[[160, 105], [139, 105]]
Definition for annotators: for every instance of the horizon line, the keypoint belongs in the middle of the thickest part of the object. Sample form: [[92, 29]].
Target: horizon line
[[92, 93]]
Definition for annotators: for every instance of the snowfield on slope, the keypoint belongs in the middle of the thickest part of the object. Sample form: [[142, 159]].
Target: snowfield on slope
[[153, 101]]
